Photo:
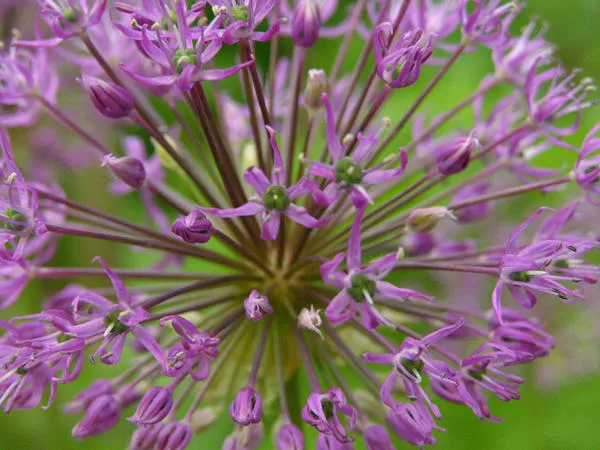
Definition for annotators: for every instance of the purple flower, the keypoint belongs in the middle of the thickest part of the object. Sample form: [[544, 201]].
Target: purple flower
[[110, 100], [70, 18], [361, 284], [247, 407], [482, 370], [290, 437], [520, 334], [465, 392], [155, 16], [180, 314], [401, 66], [154, 407], [410, 363], [514, 57], [346, 174], [192, 355], [488, 22], [25, 75], [194, 228], [525, 271], [183, 65], [257, 306], [322, 412], [114, 321], [241, 18], [551, 94], [275, 198], [102, 414]]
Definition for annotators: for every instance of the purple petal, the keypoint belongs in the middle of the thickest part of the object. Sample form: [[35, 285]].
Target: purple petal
[[340, 309], [388, 290], [257, 179], [147, 340], [249, 209], [299, 215], [270, 227], [120, 290]]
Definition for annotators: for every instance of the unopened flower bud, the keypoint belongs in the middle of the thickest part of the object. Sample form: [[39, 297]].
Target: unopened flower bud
[[252, 436], [290, 438], [371, 406], [129, 170], [257, 306], [145, 437], [475, 212], [417, 244], [426, 219], [194, 228], [247, 407], [246, 438], [306, 23], [377, 438], [110, 100], [203, 418], [455, 156], [154, 407], [83, 400], [174, 436], [102, 414], [316, 85]]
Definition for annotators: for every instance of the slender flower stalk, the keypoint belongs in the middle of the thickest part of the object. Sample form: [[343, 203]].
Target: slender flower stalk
[[244, 269]]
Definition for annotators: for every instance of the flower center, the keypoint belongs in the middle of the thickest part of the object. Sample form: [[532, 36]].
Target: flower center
[[239, 12], [173, 16], [361, 286], [327, 408], [111, 320], [183, 58], [477, 374], [70, 14], [62, 337], [591, 169], [17, 217], [348, 172], [561, 264], [523, 277], [412, 365], [276, 199]]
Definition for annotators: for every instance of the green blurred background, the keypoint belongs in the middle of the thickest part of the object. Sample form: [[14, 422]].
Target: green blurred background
[[562, 418]]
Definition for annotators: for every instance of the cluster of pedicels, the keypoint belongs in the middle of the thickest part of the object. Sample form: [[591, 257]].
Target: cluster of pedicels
[[279, 224]]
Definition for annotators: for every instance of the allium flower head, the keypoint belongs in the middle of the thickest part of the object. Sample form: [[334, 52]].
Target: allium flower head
[[279, 234]]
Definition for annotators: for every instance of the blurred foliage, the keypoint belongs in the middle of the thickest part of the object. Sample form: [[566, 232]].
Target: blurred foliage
[[563, 418]]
